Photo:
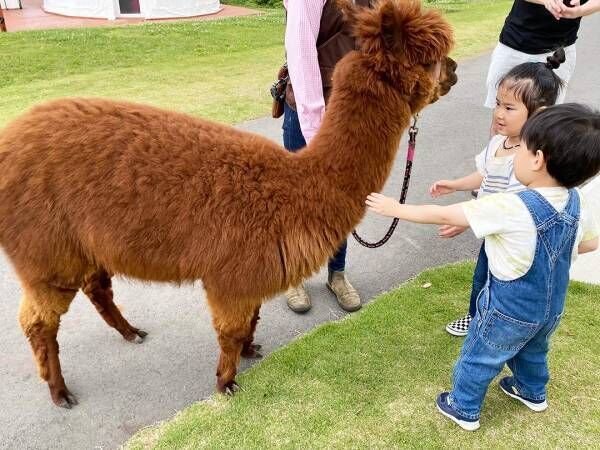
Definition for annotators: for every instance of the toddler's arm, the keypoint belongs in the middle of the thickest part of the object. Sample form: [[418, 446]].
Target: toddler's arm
[[587, 246], [468, 183], [433, 214]]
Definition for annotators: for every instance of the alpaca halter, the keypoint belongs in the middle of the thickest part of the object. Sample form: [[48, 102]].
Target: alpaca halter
[[410, 154]]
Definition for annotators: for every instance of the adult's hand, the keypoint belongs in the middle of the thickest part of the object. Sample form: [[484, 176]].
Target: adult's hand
[[576, 10], [555, 7]]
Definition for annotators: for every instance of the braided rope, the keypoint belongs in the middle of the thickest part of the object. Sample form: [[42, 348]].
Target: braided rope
[[410, 154]]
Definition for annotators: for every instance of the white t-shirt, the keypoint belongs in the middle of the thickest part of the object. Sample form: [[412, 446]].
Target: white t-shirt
[[497, 171], [510, 233]]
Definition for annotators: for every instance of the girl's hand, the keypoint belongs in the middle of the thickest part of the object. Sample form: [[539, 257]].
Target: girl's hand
[[381, 204], [441, 187], [450, 231]]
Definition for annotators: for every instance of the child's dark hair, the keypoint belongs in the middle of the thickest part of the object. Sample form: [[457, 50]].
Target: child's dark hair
[[535, 83], [569, 137]]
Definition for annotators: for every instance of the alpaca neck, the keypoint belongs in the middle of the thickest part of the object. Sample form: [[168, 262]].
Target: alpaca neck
[[357, 143]]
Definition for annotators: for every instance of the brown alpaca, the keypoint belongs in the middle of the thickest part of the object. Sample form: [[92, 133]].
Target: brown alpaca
[[90, 188]]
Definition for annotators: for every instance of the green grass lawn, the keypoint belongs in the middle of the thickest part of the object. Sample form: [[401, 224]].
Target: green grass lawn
[[370, 380], [218, 69]]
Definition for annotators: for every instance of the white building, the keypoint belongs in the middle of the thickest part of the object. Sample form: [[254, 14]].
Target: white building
[[10, 4], [146, 9]]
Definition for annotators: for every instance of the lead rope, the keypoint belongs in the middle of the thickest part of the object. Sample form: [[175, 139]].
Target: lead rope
[[410, 154]]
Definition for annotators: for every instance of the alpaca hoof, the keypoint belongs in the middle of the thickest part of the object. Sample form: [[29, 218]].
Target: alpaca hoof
[[64, 399], [136, 336], [140, 336], [231, 388], [252, 351]]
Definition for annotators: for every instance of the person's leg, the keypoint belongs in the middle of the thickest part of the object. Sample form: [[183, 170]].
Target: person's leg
[[337, 263], [293, 140], [530, 369], [460, 326], [346, 295], [492, 341], [479, 279], [503, 60], [565, 71]]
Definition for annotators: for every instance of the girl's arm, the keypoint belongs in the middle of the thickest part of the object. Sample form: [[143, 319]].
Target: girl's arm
[[588, 246], [432, 214], [468, 183]]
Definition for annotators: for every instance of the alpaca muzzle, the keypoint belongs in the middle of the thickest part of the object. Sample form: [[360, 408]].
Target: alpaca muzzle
[[448, 76]]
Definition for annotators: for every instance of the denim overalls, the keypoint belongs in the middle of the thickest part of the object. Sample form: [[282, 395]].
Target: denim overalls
[[515, 319]]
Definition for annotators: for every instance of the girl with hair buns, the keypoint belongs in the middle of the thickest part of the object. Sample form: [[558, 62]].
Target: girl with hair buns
[[520, 93]]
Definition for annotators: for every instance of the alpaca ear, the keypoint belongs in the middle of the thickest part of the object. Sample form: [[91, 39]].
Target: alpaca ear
[[391, 30], [428, 37], [349, 10], [401, 31]]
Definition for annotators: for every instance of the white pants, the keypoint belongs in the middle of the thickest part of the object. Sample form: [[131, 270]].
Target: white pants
[[505, 58]]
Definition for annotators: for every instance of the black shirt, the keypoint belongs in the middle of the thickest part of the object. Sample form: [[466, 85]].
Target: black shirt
[[530, 28]]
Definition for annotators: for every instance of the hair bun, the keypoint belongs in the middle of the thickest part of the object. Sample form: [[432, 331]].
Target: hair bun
[[556, 59]]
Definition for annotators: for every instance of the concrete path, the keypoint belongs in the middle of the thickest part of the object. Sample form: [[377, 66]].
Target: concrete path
[[586, 267], [122, 387]]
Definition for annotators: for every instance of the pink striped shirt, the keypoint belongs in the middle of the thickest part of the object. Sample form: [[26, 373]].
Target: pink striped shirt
[[301, 31]]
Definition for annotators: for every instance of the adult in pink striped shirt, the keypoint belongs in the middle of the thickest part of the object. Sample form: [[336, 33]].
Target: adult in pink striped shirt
[[316, 38]]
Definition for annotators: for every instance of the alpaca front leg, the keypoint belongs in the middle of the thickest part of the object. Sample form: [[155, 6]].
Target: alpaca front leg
[[98, 288], [39, 315], [250, 349], [233, 322], [231, 340]]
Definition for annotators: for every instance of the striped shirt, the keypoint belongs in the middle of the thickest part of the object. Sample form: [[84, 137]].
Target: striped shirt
[[497, 171], [301, 32]]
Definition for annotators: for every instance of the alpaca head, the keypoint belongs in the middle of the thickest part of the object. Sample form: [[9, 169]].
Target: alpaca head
[[405, 45]]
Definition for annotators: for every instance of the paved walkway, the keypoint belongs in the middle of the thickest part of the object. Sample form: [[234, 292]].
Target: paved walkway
[[33, 17], [122, 387], [586, 268]]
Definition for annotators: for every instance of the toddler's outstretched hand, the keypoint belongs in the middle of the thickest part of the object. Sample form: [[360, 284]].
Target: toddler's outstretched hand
[[381, 204], [441, 187]]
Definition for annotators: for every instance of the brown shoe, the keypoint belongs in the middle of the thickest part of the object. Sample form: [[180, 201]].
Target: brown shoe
[[297, 299], [346, 295]]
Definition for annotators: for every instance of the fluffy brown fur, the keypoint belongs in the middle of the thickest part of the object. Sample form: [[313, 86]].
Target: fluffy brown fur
[[91, 188]]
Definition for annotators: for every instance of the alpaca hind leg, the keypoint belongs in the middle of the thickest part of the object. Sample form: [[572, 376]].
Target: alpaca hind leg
[[232, 321], [250, 349], [98, 288], [39, 315]]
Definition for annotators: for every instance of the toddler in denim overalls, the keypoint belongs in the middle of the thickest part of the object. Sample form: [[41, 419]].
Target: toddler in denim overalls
[[531, 238]]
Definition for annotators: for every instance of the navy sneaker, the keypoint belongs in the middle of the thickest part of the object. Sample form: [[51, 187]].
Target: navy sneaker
[[444, 407], [507, 384]]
